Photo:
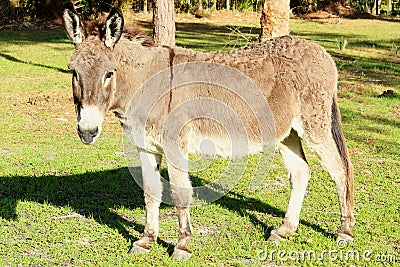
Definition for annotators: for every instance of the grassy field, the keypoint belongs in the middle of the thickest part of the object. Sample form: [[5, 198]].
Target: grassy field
[[66, 204]]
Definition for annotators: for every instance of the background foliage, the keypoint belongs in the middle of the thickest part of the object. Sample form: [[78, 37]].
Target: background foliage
[[50, 9]]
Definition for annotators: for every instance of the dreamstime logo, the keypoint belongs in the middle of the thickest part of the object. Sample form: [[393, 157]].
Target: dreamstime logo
[[341, 243], [341, 253], [194, 112]]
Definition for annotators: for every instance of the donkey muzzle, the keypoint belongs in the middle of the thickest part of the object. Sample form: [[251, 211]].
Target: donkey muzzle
[[88, 136], [90, 120]]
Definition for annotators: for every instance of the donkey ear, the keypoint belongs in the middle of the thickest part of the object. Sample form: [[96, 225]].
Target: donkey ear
[[114, 27], [72, 24]]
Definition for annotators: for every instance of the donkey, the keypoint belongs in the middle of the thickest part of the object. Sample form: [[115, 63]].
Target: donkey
[[297, 78]]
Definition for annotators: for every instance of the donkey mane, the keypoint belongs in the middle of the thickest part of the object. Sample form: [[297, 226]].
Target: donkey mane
[[136, 33], [133, 33]]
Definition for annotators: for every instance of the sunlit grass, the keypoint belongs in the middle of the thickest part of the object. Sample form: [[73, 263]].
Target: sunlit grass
[[63, 203]]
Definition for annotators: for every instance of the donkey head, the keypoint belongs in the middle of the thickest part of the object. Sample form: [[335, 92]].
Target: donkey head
[[94, 70]]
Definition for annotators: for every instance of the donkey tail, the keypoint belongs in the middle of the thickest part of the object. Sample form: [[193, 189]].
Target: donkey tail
[[341, 145]]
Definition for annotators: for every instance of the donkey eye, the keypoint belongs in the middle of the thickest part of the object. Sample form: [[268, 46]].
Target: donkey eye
[[75, 75], [109, 75]]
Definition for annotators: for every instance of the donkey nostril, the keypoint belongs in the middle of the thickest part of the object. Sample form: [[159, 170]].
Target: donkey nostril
[[94, 132], [79, 130]]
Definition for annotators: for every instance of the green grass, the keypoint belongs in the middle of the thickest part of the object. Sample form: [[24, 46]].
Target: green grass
[[66, 204]]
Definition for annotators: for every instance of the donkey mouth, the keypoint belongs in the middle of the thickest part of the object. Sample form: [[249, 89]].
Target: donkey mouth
[[88, 136]]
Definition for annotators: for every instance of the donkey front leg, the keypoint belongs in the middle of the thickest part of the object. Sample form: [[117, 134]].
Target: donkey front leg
[[152, 194], [181, 192]]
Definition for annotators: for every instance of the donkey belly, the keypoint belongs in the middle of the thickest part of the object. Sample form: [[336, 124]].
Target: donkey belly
[[219, 141]]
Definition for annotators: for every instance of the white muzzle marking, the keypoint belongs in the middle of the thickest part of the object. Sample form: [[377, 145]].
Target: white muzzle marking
[[89, 124]]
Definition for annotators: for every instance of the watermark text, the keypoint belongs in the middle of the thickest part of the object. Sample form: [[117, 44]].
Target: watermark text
[[352, 255]]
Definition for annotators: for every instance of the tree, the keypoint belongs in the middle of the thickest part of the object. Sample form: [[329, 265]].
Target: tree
[[389, 7], [274, 19], [164, 22], [145, 6], [200, 8], [377, 7]]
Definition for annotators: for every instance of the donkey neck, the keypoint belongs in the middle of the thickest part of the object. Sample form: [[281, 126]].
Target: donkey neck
[[136, 63]]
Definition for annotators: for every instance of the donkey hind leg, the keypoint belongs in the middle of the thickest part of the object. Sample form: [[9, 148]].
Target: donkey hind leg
[[299, 172], [331, 160], [152, 194], [181, 192]]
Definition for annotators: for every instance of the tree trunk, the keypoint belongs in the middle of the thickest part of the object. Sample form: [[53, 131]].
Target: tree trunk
[[389, 7], [145, 7], [201, 5], [189, 6], [228, 5], [376, 7], [310, 6], [13, 8], [274, 19], [163, 22]]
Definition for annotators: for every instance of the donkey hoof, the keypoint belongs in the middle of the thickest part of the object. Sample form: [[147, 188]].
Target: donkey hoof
[[138, 250], [275, 237], [181, 255], [343, 240]]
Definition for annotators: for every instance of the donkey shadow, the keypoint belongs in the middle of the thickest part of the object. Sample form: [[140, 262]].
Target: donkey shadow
[[242, 204], [92, 194], [97, 194]]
